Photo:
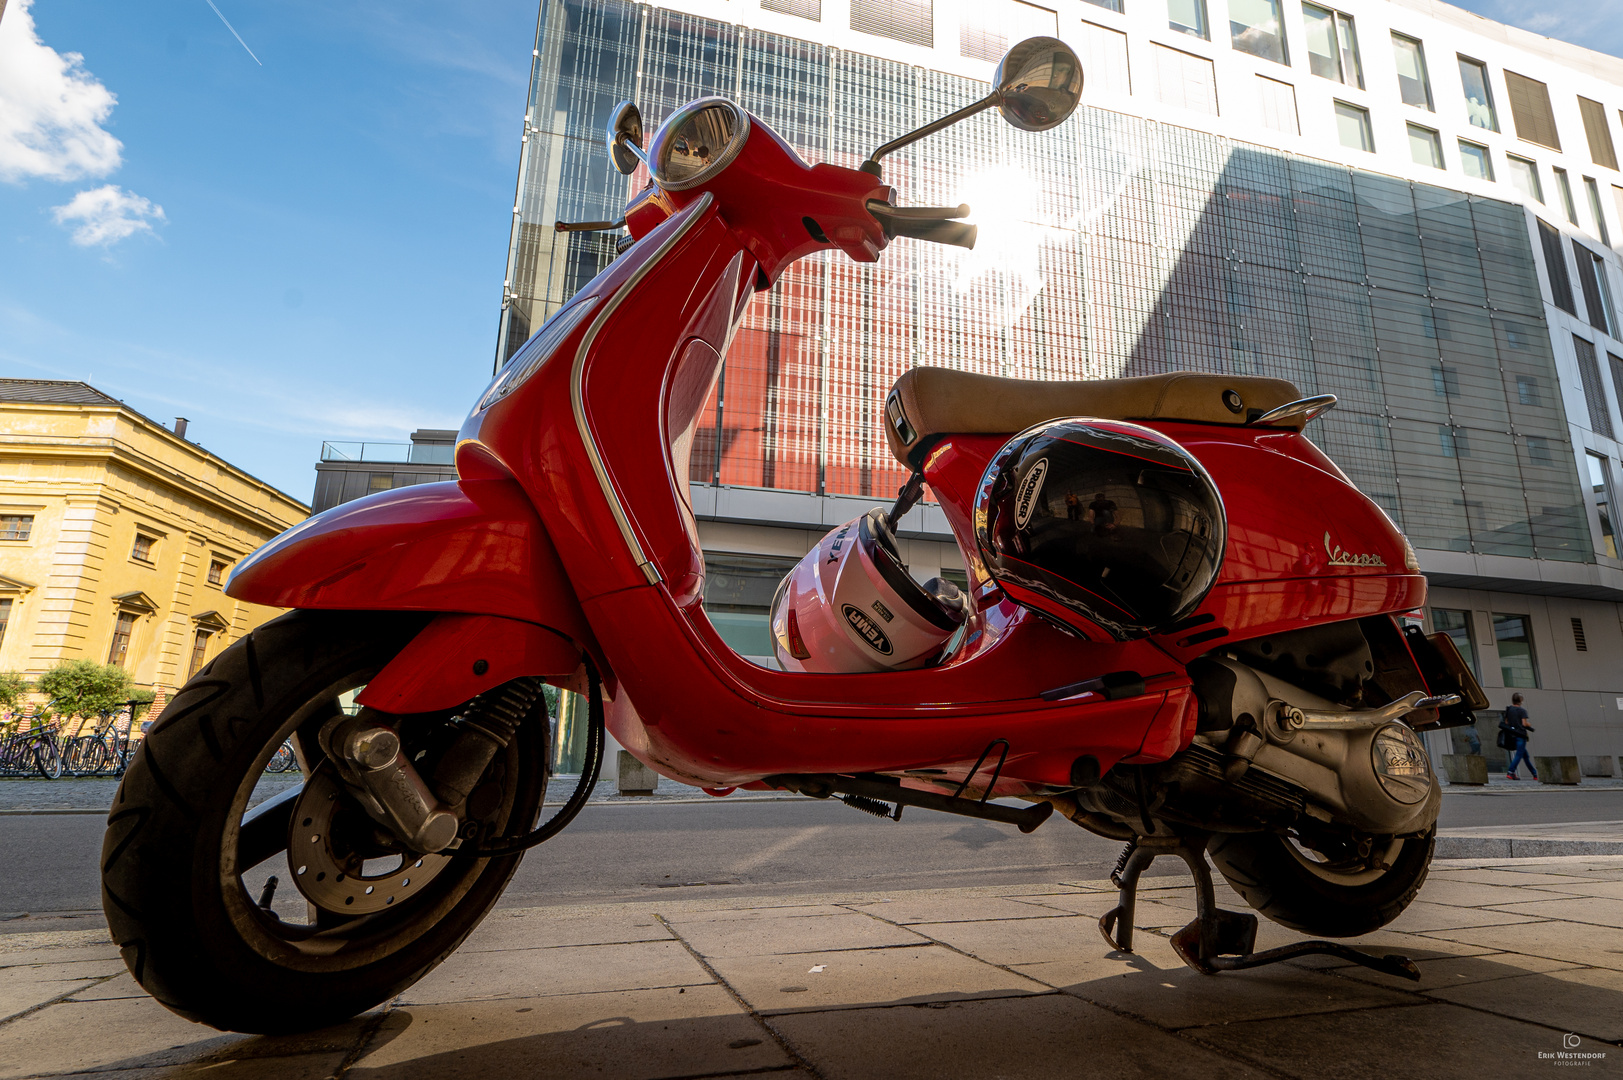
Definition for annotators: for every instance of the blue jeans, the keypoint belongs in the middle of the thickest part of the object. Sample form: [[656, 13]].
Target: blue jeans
[[1521, 755]]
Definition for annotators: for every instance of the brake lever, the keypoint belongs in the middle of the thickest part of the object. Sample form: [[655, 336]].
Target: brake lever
[[932, 223]]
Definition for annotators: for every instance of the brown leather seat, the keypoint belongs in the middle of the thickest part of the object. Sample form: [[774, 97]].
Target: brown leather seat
[[928, 401]]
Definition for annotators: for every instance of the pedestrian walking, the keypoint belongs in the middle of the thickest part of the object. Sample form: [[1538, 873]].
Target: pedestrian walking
[[1513, 734]]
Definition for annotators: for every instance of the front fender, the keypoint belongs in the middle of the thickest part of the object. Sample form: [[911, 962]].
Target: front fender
[[473, 546]]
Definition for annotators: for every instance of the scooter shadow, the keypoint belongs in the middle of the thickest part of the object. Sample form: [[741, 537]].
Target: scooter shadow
[[1146, 1021]]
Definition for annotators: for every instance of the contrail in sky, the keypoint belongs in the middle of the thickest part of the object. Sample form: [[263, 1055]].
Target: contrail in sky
[[233, 30]]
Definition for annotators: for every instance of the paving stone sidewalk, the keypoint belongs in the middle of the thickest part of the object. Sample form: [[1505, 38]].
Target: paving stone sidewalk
[[1521, 958]]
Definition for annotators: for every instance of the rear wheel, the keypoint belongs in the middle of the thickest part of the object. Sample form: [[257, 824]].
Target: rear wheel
[[1342, 894], [187, 864]]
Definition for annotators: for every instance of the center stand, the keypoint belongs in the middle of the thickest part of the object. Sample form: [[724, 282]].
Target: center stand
[[1217, 940]]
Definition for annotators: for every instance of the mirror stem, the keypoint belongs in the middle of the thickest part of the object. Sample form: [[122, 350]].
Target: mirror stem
[[871, 166], [622, 139]]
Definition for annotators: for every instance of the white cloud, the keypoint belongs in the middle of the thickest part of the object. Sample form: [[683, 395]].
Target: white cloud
[[107, 214], [51, 108]]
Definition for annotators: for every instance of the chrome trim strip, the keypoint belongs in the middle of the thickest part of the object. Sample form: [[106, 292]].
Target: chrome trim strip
[[577, 381]]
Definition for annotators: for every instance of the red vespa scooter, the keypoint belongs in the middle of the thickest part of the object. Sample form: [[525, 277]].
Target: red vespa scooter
[[1180, 628]]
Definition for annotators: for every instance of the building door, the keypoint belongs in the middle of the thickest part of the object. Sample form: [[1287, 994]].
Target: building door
[[121, 638]]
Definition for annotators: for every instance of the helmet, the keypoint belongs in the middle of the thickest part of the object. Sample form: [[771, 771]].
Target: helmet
[[851, 605], [1102, 522]]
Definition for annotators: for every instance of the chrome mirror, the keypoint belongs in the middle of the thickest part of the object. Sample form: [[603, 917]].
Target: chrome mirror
[[625, 137], [1037, 85], [1039, 82]]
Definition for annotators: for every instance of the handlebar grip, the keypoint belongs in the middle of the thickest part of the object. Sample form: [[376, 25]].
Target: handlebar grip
[[937, 231]]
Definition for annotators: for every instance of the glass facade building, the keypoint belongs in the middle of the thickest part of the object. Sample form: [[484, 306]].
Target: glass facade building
[[1112, 246], [1271, 201]]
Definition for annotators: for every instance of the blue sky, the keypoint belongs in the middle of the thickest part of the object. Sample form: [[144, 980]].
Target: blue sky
[[304, 247], [334, 220]]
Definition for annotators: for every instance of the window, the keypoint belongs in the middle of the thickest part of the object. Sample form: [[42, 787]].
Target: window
[[217, 571], [1530, 108], [1600, 485], [1103, 53], [1565, 188], [200, 648], [1617, 197], [143, 547], [1617, 372], [1412, 81], [1592, 190], [912, 21], [806, 9], [1332, 46], [1600, 416], [1478, 97], [1524, 177], [1538, 451], [1352, 124], [1425, 146], [1527, 391], [1597, 290], [1254, 27], [1517, 663], [1185, 81], [1277, 104], [1579, 640], [1457, 625], [1555, 267], [1475, 160], [1599, 133], [1188, 17], [122, 630], [379, 482], [738, 592], [1455, 442], [5, 617], [1110, 5], [16, 526], [987, 30]]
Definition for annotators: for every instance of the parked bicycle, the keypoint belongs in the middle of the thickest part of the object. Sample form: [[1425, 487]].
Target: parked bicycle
[[283, 760], [35, 750], [106, 752]]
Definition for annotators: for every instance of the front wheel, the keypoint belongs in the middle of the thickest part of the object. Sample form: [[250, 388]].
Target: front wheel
[[358, 917], [48, 760], [1328, 897]]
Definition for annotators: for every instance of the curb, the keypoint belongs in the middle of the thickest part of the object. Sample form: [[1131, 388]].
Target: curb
[[1494, 847]]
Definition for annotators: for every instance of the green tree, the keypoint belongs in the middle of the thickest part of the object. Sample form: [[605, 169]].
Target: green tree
[[12, 688], [85, 688]]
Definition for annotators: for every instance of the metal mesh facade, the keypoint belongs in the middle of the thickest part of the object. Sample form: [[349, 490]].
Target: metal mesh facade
[[1111, 246]]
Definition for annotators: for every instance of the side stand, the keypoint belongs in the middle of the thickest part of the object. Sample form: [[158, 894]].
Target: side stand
[[1217, 940]]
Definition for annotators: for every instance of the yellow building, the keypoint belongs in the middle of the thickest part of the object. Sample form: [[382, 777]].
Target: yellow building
[[117, 534]]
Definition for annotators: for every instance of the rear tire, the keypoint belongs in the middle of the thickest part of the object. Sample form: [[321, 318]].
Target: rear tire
[[1284, 883], [174, 894]]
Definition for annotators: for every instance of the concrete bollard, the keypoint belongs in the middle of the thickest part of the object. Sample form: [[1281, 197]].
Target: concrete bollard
[[1597, 766], [632, 777], [1557, 770], [1465, 768]]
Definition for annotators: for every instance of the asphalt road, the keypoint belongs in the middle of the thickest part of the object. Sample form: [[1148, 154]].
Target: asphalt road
[[721, 848]]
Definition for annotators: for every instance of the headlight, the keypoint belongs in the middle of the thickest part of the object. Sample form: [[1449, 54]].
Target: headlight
[[530, 357], [698, 141]]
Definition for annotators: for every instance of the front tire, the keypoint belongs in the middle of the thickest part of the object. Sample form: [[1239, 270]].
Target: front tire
[[177, 900], [1293, 888]]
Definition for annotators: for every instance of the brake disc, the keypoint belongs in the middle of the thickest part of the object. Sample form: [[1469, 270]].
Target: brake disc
[[338, 883]]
